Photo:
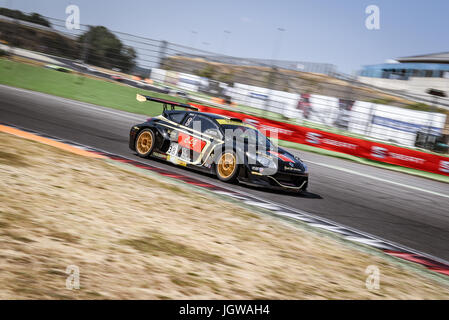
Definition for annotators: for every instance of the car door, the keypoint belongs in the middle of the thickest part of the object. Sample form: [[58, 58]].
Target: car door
[[195, 138], [211, 133]]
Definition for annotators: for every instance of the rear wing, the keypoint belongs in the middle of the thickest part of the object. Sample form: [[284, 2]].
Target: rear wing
[[166, 103]]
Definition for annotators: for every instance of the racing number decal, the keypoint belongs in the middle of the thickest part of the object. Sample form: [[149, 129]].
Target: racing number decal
[[173, 150], [192, 143]]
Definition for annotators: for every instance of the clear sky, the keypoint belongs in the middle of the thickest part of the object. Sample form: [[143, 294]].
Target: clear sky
[[327, 31]]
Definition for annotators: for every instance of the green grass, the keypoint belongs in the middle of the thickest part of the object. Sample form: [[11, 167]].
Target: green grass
[[76, 87], [117, 96]]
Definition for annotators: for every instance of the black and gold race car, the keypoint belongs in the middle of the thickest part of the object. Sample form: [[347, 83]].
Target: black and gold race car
[[227, 147]]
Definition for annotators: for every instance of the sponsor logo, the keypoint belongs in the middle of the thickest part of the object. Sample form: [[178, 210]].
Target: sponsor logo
[[404, 157], [382, 153], [190, 142], [263, 127], [159, 155], [379, 152], [444, 166], [340, 144], [315, 138], [259, 96], [176, 160], [312, 137], [292, 169]]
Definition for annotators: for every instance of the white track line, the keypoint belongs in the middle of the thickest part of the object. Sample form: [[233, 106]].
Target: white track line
[[379, 179]]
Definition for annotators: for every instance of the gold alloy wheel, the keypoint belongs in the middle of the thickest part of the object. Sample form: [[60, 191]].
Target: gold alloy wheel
[[144, 142], [226, 165]]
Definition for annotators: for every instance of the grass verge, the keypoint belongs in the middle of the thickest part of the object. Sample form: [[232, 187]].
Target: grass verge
[[135, 237], [77, 87]]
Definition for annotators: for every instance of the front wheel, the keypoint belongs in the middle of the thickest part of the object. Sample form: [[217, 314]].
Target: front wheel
[[145, 143], [227, 167]]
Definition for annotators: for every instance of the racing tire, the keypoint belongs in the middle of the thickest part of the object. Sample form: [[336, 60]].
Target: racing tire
[[227, 167], [145, 143]]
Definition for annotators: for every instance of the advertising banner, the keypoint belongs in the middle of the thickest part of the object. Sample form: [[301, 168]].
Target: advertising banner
[[358, 147]]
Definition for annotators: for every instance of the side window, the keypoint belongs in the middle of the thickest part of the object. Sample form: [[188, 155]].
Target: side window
[[176, 116], [207, 124], [203, 124], [209, 127]]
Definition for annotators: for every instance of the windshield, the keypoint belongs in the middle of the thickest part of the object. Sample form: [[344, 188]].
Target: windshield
[[249, 134]]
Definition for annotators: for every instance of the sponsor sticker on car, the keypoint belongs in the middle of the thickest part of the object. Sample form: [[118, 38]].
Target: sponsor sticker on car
[[176, 160], [173, 149], [189, 142]]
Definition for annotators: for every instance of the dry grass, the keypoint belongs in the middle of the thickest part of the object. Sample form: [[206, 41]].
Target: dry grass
[[135, 237]]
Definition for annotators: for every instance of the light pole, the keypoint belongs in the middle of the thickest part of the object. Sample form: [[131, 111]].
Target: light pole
[[277, 44], [435, 93], [226, 34], [193, 34], [272, 75]]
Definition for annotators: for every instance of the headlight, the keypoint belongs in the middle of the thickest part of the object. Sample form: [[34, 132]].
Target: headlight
[[264, 161], [305, 167]]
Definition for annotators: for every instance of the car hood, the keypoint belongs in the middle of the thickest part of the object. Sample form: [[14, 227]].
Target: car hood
[[287, 162]]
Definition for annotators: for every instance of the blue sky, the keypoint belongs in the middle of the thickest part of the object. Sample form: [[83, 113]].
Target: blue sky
[[318, 31]]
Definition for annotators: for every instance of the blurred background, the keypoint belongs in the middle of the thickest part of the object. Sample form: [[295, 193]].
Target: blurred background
[[342, 82], [401, 100]]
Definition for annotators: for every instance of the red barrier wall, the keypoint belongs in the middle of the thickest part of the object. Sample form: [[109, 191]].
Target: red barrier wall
[[354, 146]]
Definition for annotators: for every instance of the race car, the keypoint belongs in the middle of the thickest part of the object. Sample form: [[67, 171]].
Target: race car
[[229, 148]]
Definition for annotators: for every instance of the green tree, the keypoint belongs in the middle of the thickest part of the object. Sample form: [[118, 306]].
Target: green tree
[[19, 15], [226, 77], [102, 48], [208, 72], [38, 19]]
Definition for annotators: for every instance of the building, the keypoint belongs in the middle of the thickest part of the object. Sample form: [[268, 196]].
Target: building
[[412, 75]]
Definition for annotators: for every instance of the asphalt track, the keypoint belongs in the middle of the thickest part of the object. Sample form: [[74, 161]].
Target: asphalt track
[[401, 208]]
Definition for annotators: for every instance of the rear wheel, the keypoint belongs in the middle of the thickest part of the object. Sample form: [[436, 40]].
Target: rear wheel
[[145, 143], [227, 167]]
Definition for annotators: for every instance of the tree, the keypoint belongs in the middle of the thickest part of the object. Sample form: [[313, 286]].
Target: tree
[[104, 49], [38, 19], [226, 77], [207, 72], [19, 15]]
